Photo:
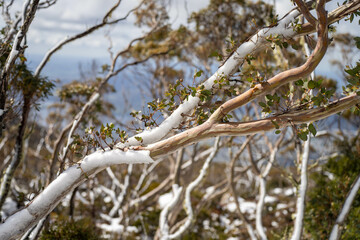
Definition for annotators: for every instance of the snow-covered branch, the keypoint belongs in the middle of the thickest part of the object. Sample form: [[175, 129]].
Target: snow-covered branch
[[28, 14], [46, 201], [256, 43], [72, 126]]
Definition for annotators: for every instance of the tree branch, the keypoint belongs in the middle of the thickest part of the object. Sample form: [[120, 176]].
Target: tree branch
[[207, 130], [17, 224], [305, 11]]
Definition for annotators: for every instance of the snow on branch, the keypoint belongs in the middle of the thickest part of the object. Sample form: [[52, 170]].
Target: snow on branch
[[46, 201], [256, 43], [72, 126], [230, 66], [28, 14]]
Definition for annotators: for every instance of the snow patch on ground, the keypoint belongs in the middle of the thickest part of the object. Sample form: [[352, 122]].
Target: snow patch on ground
[[115, 227], [245, 207], [277, 191], [284, 191], [209, 191], [290, 191], [281, 206], [206, 224], [107, 199], [274, 224], [270, 199]]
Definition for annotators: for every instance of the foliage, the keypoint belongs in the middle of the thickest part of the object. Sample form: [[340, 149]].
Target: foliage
[[78, 92], [83, 229], [328, 194], [30, 85]]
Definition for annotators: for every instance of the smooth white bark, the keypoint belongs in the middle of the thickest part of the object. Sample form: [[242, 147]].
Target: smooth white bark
[[300, 203], [259, 207]]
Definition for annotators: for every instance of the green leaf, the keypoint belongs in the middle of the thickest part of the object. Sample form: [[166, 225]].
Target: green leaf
[[302, 136], [329, 93], [295, 46], [353, 71], [299, 83], [275, 124], [206, 92], [353, 81], [198, 73], [311, 84], [269, 96], [139, 139], [277, 131], [262, 104], [357, 41], [312, 129]]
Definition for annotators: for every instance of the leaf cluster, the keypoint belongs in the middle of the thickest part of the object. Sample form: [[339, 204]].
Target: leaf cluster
[[107, 136], [31, 86]]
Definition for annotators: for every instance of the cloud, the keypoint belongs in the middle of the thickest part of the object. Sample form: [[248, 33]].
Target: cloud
[[68, 17]]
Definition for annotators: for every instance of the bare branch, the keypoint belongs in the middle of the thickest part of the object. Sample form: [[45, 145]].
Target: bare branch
[[334, 16], [262, 187], [249, 228], [305, 11], [83, 34]]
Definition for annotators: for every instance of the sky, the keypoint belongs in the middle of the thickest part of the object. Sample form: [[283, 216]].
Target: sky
[[69, 17]]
